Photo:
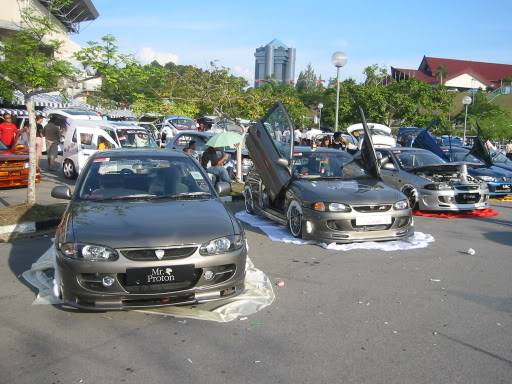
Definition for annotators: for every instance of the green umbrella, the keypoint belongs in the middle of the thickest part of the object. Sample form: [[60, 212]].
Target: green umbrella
[[224, 139]]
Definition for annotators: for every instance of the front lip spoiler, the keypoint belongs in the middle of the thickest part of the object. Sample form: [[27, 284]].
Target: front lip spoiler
[[120, 305]]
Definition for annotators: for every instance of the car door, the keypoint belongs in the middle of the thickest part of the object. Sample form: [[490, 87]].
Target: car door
[[389, 171], [425, 141], [369, 158], [480, 151], [270, 144]]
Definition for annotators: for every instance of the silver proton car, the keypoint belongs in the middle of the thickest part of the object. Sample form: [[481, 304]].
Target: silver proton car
[[320, 194], [430, 183], [146, 228]]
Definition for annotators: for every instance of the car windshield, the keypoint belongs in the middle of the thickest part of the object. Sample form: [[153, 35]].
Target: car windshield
[[143, 177], [335, 164], [80, 112], [135, 138], [413, 159]]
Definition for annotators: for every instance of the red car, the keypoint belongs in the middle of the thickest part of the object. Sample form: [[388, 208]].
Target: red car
[[14, 166]]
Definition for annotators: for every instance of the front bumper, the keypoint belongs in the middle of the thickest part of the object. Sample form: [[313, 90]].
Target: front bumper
[[81, 282], [340, 227], [453, 200], [500, 188]]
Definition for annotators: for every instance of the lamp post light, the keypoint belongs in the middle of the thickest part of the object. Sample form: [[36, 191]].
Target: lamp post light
[[466, 101], [338, 59], [320, 106]]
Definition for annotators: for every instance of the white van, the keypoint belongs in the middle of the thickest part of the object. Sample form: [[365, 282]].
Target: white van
[[381, 135], [82, 138]]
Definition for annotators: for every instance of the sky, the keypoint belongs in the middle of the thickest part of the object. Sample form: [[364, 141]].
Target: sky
[[393, 32]]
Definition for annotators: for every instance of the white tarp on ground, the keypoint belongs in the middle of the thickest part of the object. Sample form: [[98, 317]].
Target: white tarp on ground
[[280, 233], [258, 294]]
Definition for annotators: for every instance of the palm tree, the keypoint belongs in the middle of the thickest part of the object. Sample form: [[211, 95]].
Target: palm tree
[[441, 73]]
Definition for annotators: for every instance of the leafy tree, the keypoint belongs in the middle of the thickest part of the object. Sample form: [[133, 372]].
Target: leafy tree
[[30, 66], [375, 75], [307, 81]]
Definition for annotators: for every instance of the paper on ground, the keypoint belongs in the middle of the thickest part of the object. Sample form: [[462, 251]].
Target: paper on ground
[[280, 233], [258, 294]]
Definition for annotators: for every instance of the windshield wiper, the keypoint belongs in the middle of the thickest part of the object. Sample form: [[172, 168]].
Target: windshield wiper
[[184, 195], [126, 197]]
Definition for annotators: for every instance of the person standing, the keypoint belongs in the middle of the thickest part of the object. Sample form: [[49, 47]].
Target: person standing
[[52, 136], [39, 138], [8, 130]]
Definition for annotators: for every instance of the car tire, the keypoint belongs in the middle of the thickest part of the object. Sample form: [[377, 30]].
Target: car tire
[[249, 201], [68, 169], [295, 216], [412, 195]]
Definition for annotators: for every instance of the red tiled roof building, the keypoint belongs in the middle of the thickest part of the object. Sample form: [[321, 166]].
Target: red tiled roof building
[[460, 74]]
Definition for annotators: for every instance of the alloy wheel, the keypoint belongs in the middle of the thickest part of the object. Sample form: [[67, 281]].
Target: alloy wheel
[[295, 220], [68, 168], [249, 201]]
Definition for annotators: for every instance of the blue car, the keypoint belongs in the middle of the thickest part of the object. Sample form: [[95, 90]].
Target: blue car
[[490, 157], [499, 180]]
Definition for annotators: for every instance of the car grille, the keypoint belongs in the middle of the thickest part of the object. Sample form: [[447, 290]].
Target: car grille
[[467, 187], [160, 288], [372, 208], [466, 198], [149, 254]]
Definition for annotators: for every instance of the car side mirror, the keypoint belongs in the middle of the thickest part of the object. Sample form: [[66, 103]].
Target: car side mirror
[[61, 192], [223, 188], [389, 166], [282, 162]]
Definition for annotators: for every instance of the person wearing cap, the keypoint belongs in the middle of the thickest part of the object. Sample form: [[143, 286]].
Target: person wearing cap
[[8, 130]]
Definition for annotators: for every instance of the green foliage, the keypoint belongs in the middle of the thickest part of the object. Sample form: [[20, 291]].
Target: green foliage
[[495, 121], [307, 82]]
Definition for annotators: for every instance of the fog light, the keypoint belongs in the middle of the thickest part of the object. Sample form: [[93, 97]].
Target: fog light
[[107, 281], [208, 275], [309, 226]]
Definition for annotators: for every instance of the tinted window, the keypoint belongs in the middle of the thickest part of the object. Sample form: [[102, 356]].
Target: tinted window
[[142, 177], [279, 128], [413, 159]]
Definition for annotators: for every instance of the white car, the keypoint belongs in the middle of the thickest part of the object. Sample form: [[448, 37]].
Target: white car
[[381, 135]]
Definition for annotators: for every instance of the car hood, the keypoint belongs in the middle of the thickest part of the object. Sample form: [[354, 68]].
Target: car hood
[[493, 171], [158, 223], [357, 191]]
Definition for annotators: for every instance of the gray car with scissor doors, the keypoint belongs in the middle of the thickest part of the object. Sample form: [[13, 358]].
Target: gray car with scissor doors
[[320, 194], [146, 228]]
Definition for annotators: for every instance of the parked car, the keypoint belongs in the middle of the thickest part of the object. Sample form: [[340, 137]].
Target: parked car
[[82, 138], [490, 156], [146, 228], [14, 167], [181, 123], [321, 194], [381, 134], [430, 183], [499, 180]]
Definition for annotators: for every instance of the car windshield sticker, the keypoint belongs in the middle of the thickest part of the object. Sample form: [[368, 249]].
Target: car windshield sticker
[[101, 159], [196, 175]]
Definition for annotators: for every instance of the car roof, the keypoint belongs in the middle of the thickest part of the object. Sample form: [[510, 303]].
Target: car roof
[[123, 152], [403, 149]]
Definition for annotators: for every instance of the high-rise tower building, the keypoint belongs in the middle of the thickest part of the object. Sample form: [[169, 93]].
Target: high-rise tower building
[[274, 61]]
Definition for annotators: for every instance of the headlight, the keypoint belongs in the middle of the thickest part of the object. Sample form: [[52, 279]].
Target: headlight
[[88, 252], [437, 187], [402, 204], [320, 206], [222, 245], [486, 178], [26, 165]]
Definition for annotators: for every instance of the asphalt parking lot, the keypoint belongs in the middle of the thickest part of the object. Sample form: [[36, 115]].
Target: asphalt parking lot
[[433, 315]]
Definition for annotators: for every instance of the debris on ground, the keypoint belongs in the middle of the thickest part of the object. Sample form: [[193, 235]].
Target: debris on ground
[[470, 251], [435, 280], [280, 283]]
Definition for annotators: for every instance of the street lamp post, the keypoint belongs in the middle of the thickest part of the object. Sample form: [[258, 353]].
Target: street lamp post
[[338, 59], [466, 101], [320, 106]]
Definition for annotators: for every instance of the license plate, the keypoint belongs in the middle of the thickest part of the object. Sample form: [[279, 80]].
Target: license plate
[[469, 196], [159, 275], [373, 220]]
